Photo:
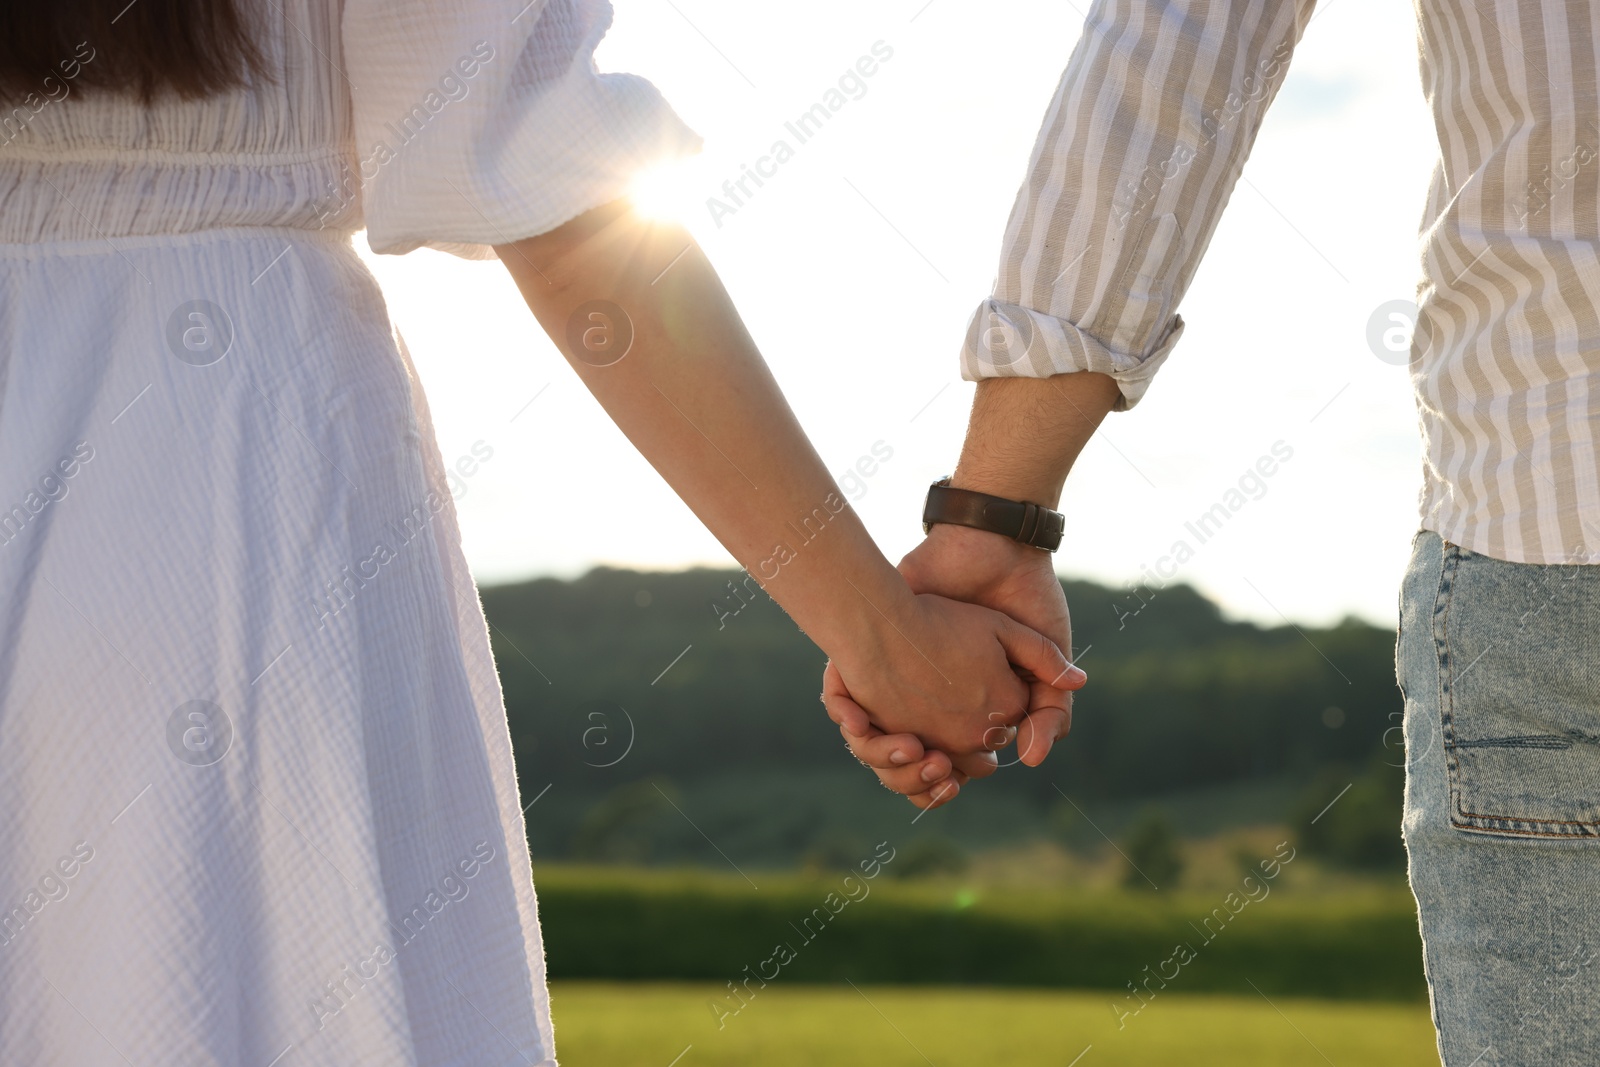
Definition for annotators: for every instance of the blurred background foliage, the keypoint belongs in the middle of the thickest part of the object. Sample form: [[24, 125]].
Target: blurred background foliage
[[1207, 723], [662, 722]]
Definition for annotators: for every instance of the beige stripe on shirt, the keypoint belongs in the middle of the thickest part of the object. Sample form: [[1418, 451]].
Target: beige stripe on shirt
[[1142, 145]]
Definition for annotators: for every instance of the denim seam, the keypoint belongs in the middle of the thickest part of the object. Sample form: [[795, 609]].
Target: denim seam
[[1399, 632], [1415, 765], [1441, 638]]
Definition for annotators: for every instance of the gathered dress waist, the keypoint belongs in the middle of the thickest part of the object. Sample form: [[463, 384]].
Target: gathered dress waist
[[83, 195]]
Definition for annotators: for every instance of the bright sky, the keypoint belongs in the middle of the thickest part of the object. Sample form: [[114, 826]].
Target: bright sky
[[858, 266]]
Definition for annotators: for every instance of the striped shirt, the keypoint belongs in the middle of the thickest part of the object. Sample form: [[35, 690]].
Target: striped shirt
[[1141, 147]]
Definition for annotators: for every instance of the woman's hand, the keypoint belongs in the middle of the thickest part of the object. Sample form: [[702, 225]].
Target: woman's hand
[[943, 670], [925, 776]]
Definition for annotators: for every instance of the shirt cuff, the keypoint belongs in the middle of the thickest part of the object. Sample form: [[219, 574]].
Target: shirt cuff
[[1011, 341]]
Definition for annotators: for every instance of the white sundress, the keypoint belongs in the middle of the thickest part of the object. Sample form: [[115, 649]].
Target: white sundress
[[257, 799]]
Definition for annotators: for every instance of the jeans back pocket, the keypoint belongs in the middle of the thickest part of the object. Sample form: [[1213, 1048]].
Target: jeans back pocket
[[1519, 676]]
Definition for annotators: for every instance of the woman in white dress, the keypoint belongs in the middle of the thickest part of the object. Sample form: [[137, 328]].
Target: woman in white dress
[[257, 802]]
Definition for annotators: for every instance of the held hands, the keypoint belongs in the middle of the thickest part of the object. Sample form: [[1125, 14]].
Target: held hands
[[942, 670], [997, 573]]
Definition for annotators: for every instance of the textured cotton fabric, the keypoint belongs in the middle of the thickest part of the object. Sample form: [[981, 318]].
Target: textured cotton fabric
[[257, 799], [1143, 143]]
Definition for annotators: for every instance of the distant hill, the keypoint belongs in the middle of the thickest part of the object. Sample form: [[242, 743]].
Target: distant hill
[[631, 692]]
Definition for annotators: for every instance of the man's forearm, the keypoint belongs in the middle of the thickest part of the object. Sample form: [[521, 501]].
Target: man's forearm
[[1025, 433], [1022, 439]]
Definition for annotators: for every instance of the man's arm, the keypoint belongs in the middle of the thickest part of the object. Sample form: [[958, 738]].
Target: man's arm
[[1140, 149], [1023, 436]]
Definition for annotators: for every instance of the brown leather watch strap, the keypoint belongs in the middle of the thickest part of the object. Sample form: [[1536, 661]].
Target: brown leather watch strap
[[1032, 524]]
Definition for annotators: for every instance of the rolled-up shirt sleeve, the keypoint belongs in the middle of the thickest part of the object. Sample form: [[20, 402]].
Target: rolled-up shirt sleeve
[[1140, 149]]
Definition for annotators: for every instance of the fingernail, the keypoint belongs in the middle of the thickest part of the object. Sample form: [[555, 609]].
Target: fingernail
[[1075, 675], [931, 773], [899, 756]]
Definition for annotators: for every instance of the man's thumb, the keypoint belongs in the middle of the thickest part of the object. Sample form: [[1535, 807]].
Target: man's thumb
[[1038, 655]]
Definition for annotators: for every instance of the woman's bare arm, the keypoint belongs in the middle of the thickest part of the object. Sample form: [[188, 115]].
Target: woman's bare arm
[[644, 320]]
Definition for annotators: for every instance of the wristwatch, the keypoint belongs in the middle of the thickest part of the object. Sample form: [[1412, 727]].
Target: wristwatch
[[1031, 524]]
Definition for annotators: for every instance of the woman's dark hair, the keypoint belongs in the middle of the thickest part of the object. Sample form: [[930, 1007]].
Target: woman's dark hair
[[194, 48]]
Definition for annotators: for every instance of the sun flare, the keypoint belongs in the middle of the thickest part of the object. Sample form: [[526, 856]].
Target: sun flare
[[667, 191]]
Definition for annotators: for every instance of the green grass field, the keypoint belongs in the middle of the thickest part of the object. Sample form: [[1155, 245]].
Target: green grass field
[[648, 1025], [625, 924]]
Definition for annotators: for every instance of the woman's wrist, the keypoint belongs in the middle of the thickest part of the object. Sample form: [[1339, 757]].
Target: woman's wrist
[[855, 603]]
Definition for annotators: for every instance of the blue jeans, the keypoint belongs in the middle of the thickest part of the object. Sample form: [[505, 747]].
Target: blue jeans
[[1500, 666]]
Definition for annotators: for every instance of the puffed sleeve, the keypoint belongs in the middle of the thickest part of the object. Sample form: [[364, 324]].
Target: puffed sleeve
[[481, 122], [1146, 137]]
